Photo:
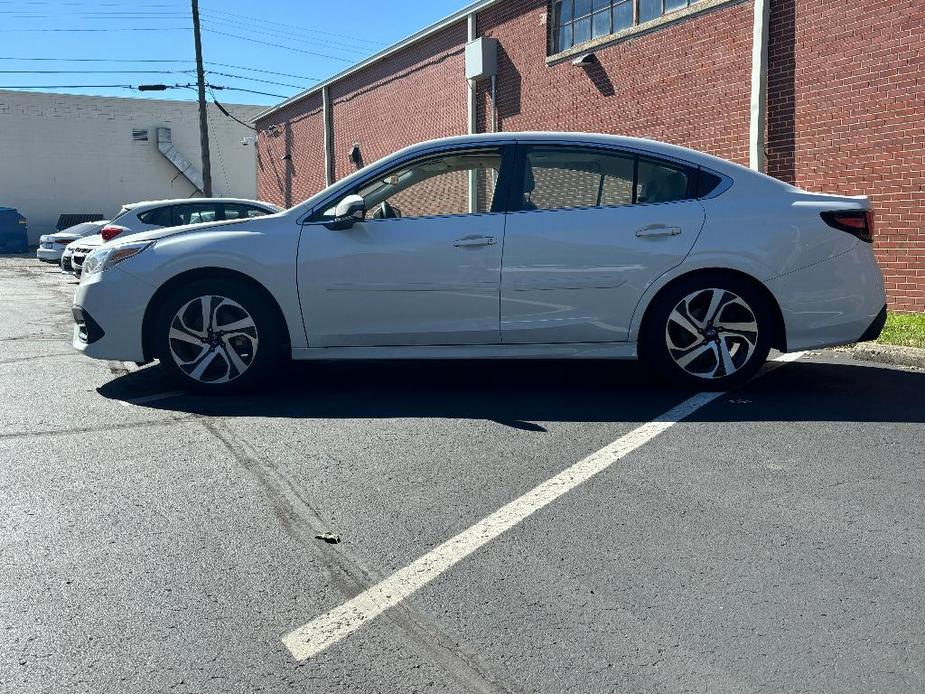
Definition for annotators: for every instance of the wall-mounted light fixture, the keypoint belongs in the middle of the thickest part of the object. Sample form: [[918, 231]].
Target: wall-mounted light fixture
[[585, 59], [356, 156]]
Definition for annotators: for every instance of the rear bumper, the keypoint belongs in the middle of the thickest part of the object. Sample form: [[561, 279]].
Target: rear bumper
[[49, 255], [875, 328], [836, 302]]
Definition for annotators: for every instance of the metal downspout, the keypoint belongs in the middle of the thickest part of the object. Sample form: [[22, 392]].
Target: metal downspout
[[473, 124], [757, 155], [328, 135]]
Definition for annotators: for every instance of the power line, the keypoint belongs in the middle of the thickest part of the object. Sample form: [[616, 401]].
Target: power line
[[225, 111], [79, 4], [268, 72], [276, 45], [100, 60], [69, 86], [249, 91], [260, 20], [253, 79], [155, 61], [301, 40], [96, 72], [100, 30], [20, 14]]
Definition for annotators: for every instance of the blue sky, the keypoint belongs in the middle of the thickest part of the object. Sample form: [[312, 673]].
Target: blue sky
[[109, 42]]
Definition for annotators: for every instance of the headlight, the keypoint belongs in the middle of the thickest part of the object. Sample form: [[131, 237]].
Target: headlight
[[105, 257]]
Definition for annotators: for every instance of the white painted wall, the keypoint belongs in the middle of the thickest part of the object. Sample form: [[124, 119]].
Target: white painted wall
[[62, 153]]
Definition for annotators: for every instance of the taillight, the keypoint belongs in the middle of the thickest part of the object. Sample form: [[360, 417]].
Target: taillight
[[858, 223], [111, 232]]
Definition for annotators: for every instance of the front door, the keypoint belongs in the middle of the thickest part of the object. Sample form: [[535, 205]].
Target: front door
[[423, 267], [592, 229]]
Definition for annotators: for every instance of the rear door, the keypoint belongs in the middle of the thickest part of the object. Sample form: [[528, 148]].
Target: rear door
[[589, 230]]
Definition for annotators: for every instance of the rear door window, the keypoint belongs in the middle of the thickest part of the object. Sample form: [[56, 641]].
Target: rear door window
[[568, 177], [558, 178]]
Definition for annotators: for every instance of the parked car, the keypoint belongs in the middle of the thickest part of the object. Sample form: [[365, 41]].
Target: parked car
[[51, 246], [158, 214], [613, 247]]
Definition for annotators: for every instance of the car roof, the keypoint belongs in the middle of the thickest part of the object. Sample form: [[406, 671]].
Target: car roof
[[179, 201], [636, 143]]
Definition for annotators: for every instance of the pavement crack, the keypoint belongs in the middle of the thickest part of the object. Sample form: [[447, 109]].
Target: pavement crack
[[348, 574], [56, 355], [90, 430]]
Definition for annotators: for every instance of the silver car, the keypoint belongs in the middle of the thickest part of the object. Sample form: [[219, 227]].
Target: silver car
[[158, 214]]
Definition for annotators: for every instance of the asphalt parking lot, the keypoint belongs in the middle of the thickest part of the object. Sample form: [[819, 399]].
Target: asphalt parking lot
[[155, 541]]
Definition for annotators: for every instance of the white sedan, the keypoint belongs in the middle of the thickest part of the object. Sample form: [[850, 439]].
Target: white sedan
[[507, 245], [51, 246], [157, 214]]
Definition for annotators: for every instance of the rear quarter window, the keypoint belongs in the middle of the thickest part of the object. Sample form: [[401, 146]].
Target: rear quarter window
[[239, 211], [159, 216], [659, 181]]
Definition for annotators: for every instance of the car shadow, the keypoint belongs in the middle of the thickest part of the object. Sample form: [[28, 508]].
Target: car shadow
[[522, 394]]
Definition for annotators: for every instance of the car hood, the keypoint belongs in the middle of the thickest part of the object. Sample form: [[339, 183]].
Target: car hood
[[86, 242], [156, 234]]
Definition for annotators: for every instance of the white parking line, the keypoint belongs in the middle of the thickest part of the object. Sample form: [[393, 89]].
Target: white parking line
[[323, 632]]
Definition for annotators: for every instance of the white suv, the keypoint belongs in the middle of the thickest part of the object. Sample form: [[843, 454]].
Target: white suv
[[157, 214]]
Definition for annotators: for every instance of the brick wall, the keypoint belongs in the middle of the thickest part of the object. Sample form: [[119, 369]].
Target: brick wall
[[687, 83], [846, 103], [296, 132], [417, 94], [847, 115]]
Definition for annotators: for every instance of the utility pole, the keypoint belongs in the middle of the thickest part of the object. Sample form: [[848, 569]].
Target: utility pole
[[203, 116]]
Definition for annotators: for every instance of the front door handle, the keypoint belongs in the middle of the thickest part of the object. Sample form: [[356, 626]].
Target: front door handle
[[656, 230], [474, 241]]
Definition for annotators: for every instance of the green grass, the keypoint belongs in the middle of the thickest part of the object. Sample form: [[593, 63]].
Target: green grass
[[906, 329]]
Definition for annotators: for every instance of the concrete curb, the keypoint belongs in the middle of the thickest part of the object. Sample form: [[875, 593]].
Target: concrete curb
[[912, 357]]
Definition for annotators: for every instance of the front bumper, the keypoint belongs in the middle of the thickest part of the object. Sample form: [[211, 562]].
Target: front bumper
[[108, 311]]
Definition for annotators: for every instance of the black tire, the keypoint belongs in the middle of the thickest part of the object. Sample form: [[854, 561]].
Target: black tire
[[672, 350], [258, 348]]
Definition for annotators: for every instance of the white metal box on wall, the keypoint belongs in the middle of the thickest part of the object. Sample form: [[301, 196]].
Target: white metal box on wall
[[481, 58]]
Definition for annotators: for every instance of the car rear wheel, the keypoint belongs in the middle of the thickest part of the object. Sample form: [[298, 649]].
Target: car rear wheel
[[710, 332], [217, 337]]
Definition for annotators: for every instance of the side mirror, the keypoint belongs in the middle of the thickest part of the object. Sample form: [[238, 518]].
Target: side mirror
[[348, 212]]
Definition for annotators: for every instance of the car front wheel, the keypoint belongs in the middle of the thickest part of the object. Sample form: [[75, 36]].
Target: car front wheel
[[709, 332], [217, 337]]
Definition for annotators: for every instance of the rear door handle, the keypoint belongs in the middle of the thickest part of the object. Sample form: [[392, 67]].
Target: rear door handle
[[474, 241], [656, 230]]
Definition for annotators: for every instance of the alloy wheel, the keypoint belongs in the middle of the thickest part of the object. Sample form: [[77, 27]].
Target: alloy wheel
[[711, 333], [213, 339]]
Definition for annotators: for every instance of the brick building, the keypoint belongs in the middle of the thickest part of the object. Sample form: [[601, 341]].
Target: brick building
[[827, 95]]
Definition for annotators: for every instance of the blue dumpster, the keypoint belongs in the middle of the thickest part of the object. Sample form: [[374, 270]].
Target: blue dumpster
[[13, 237]]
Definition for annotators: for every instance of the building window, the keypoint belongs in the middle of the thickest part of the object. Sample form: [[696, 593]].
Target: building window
[[578, 21]]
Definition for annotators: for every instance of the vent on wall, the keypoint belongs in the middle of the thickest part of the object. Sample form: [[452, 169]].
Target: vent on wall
[[139, 134]]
